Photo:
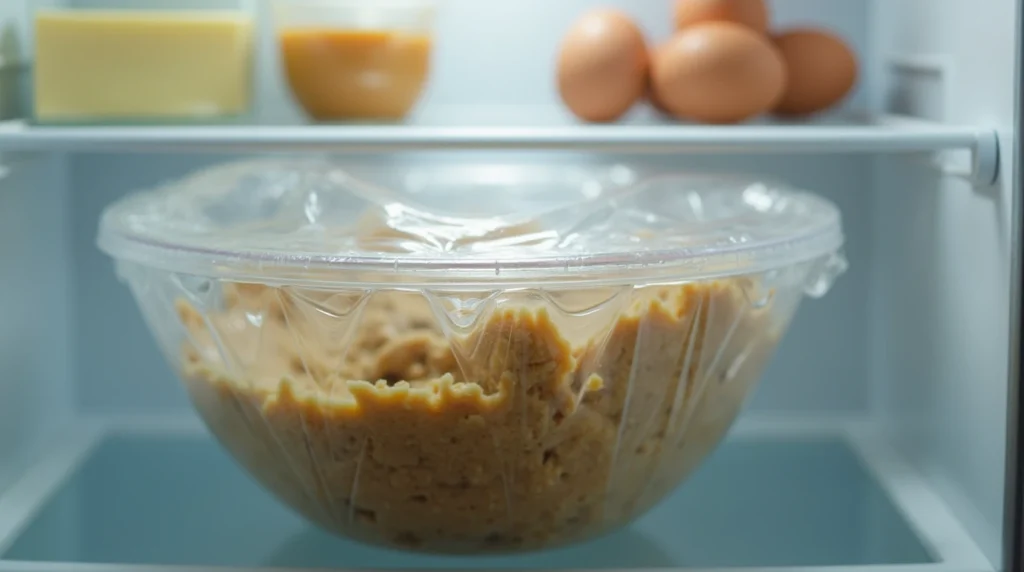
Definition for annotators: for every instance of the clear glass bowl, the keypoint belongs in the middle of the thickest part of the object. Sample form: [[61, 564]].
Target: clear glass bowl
[[468, 376], [355, 59]]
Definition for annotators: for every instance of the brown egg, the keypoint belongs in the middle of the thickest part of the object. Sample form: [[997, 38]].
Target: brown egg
[[718, 72], [651, 94], [750, 13], [652, 98], [822, 70], [602, 66]]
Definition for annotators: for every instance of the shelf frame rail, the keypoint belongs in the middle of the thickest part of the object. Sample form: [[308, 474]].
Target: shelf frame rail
[[945, 145]]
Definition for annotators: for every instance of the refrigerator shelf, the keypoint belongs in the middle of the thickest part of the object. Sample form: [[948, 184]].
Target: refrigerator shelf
[[531, 130], [812, 497]]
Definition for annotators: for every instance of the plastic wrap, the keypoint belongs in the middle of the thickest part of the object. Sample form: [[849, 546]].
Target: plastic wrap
[[593, 339]]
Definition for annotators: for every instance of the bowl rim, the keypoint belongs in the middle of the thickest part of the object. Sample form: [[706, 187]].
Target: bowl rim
[[818, 239]]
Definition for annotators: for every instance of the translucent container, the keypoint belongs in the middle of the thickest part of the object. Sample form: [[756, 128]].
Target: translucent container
[[126, 60], [355, 59], [486, 358], [11, 73]]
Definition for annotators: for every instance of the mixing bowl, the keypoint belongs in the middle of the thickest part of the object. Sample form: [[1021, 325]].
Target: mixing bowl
[[476, 358]]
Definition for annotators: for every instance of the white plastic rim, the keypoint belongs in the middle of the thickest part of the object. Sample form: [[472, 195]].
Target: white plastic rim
[[402, 15], [155, 8], [155, 15]]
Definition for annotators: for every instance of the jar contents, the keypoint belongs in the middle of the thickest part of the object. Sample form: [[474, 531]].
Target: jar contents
[[355, 74]]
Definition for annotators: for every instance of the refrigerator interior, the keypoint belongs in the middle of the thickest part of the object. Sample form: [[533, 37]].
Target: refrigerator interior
[[877, 438]]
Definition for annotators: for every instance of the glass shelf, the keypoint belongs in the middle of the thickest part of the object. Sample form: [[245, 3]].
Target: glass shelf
[[514, 128], [176, 499]]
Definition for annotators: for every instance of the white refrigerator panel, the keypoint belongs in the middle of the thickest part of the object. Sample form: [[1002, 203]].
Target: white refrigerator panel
[[942, 252]]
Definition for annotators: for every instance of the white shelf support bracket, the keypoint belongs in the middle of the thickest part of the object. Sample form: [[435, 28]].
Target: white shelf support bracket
[[986, 158], [978, 165], [921, 87]]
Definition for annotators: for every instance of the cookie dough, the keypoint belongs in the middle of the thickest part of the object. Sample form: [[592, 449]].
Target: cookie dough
[[507, 422]]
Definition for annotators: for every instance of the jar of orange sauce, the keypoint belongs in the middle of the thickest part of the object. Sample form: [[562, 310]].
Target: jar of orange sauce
[[355, 59]]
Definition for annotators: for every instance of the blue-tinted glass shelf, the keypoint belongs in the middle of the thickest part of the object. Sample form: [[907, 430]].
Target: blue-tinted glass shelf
[[177, 499]]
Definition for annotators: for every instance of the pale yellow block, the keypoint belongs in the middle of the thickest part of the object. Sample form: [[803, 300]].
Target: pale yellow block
[[134, 64]]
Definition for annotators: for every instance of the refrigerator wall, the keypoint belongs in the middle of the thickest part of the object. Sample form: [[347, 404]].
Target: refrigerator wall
[[36, 298], [941, 274]]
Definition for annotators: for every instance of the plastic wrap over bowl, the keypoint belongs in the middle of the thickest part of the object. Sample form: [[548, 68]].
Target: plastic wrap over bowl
[[486, 358]]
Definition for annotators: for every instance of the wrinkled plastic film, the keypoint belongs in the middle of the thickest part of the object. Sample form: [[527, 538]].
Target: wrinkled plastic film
[[312, 223], [518, 370], [535, 419]]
